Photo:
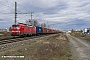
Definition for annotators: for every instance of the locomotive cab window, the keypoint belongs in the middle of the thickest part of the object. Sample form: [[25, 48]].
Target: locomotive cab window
[[15, 26]]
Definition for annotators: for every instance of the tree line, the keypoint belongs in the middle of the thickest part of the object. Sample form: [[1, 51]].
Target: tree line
[[34, 23]]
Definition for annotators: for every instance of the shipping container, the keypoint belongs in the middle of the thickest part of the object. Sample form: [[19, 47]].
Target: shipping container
[[38, 30], [44, 30], [53, 31], [49, 30]]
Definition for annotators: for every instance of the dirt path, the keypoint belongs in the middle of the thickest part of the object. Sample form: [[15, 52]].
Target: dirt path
[[80, 48]]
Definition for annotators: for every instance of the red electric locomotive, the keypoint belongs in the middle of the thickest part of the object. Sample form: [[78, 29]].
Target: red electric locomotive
[[21, 29]]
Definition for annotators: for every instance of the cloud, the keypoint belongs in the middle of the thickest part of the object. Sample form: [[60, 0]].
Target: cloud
[[45, 3], [63, 14]]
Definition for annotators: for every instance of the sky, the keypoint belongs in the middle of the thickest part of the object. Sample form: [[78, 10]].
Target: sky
[[58, 14]]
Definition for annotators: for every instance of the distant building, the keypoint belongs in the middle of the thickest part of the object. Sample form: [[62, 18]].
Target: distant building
[[86, 31], [3, 30], [69, 31]]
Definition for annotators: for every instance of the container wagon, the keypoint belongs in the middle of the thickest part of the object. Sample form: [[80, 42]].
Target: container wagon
[[49, 31], [38, 30], [44, 30]]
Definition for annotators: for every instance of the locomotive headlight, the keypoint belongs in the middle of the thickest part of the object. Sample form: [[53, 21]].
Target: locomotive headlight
[[18, 30]]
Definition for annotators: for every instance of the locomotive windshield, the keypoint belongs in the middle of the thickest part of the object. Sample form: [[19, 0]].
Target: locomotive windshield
[[15, 26]]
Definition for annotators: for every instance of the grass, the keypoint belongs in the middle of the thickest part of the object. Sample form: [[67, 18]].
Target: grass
[[81, 36], [52, 48], [3, 34]]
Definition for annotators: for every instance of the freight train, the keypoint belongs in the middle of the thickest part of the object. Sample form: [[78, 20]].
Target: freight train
[[22, 29]]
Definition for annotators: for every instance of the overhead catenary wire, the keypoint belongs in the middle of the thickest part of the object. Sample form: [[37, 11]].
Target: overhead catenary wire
[[21, 18], [13, 9], [23, 8], [20, 6], [8, 7]]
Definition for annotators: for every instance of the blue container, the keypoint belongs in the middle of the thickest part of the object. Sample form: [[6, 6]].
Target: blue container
[[38, 30]]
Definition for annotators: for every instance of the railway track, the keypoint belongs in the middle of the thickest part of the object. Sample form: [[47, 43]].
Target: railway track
[[6, 38], [11, 43], [17, 39]]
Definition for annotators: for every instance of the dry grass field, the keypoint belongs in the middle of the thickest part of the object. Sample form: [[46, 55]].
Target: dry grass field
[[52, 48]]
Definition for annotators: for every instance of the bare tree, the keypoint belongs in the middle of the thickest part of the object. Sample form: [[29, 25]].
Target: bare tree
[[43, 25], [29, 22], [36, 23], [39, 24], [32, 22]]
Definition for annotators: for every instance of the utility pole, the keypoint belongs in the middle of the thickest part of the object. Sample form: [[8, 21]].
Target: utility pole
[[47, 25], [20, 13], [31, 15], [15, 12]]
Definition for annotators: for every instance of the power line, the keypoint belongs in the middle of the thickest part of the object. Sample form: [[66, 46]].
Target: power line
[[7, 6], [16, 11], [20, 13], [23, 8]]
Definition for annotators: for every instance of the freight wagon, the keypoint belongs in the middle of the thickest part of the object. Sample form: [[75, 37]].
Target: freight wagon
[[38, 30], [44, 30], [49, 31]]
